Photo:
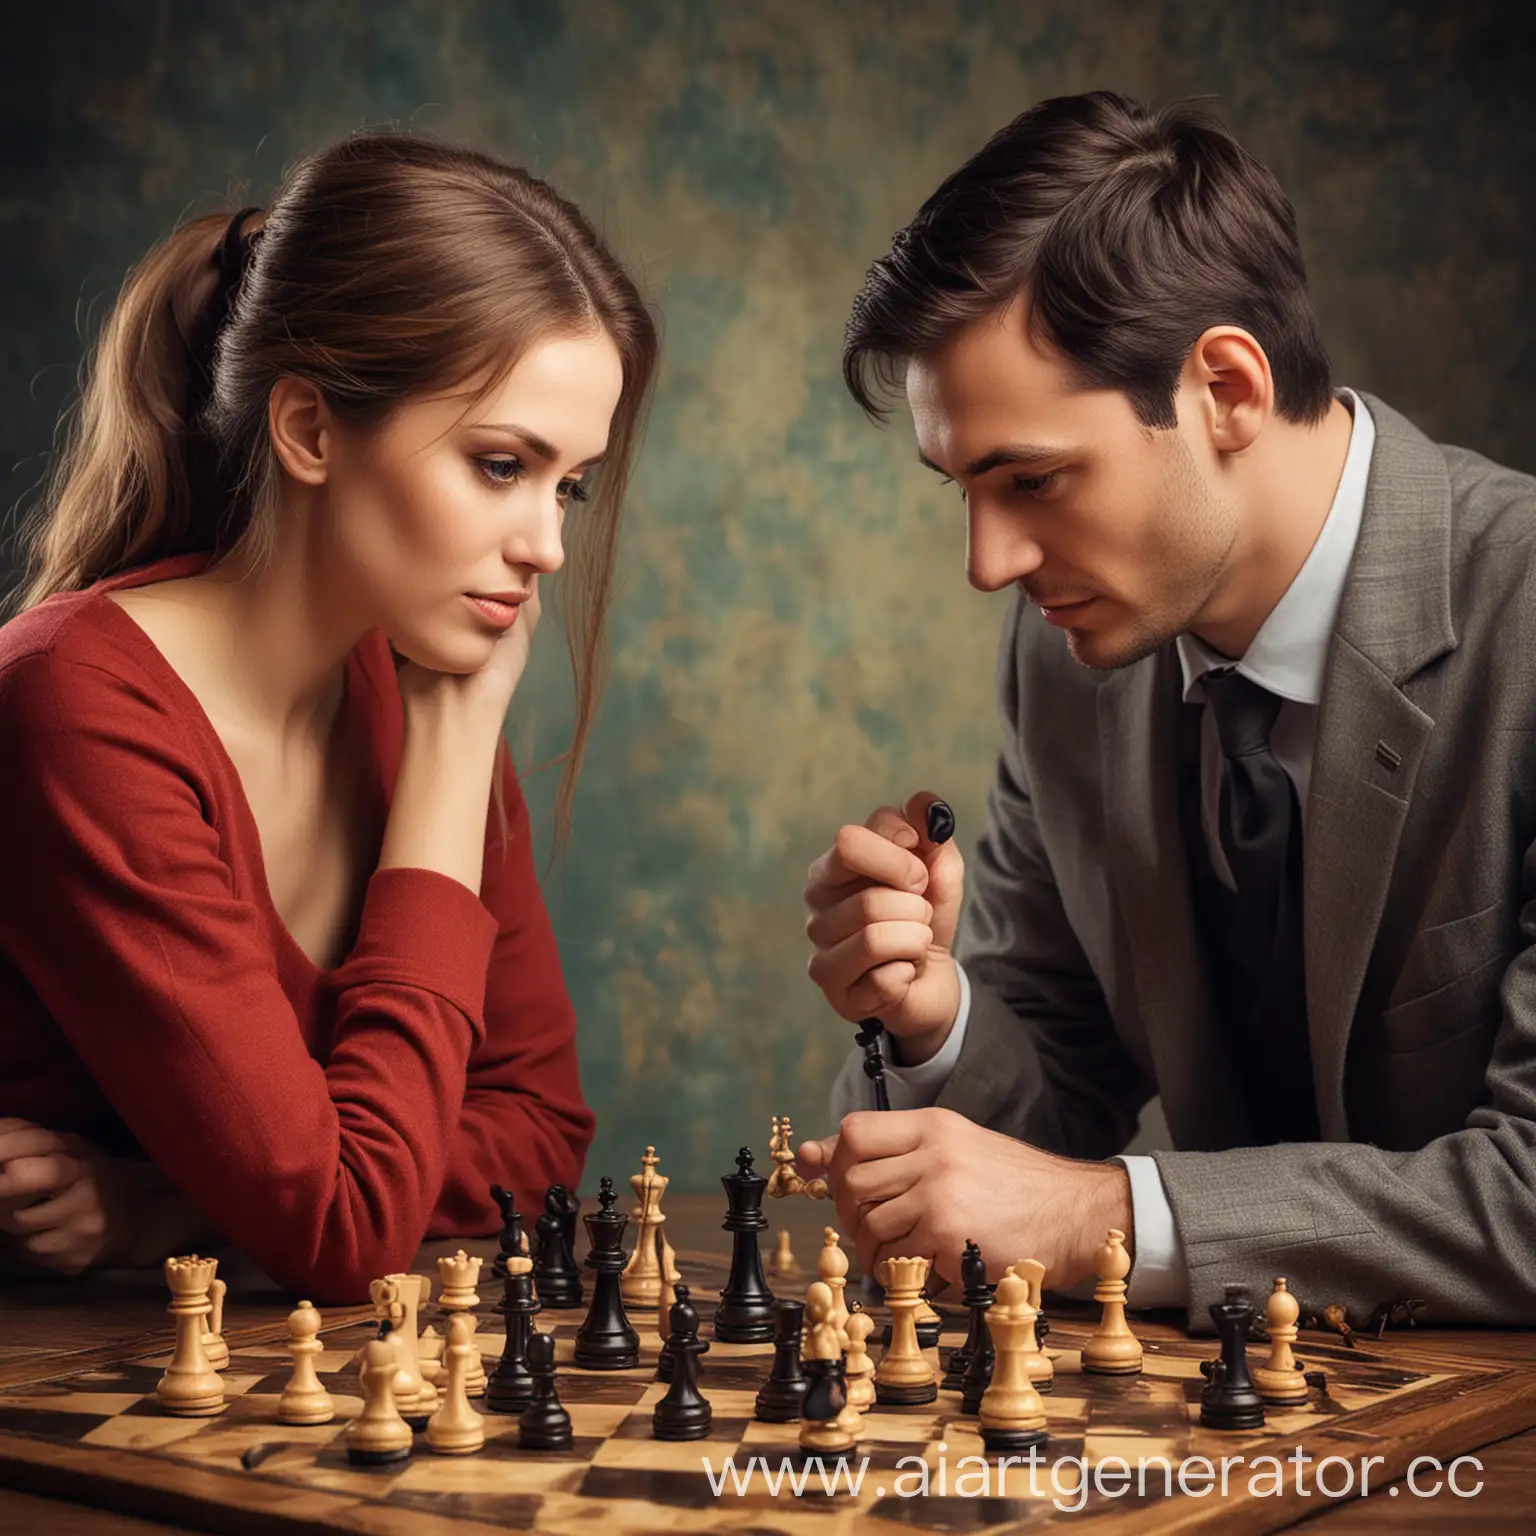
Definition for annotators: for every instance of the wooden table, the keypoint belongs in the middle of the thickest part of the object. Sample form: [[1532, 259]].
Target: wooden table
[[53, 1326]]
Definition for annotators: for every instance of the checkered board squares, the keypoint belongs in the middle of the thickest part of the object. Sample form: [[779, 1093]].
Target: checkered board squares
[[101, 1430]]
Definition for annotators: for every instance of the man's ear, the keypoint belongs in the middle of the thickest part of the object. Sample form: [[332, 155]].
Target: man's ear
[[301, 428]]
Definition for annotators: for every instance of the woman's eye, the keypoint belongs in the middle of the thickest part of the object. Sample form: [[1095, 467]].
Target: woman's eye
[[573, 490], [502, 470]]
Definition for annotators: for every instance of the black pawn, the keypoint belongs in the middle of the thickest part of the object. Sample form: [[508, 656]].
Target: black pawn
[[511, 1239], [509, 1387], [826, 1389], [554, 1271], [684, 1413], [745, 1313], [544, 1425], [978, 1297], [779, 1399], [1230, 1400], [605, 1341], [941, 821], [978, 1374]]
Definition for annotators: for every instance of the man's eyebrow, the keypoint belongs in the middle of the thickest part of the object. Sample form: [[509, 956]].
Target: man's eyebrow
[[545, 449], [1013, 453]]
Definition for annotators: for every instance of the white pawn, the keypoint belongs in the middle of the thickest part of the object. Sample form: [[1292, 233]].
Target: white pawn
[[456, 1429], [304, 1400], [378, 1435], [214, 1346]]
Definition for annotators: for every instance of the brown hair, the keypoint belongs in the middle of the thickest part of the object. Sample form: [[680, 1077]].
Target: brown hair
[[1131, 231], [387, 267]]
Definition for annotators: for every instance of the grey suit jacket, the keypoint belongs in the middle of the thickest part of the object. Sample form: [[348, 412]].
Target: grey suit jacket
[[1078, 934]]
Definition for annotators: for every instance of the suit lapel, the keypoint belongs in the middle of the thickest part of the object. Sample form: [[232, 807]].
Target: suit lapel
[[1393, 620], [1140, 746]]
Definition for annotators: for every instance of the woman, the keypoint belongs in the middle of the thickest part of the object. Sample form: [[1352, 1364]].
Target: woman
[[268, 910]]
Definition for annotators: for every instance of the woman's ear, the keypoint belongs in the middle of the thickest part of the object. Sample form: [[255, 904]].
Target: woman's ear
[[301, 428]]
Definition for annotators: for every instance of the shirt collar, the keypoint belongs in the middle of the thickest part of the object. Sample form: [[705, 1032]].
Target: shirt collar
[[1290, 652]]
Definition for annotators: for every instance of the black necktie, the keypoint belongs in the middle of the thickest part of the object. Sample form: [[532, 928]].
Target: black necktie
[[1260, 822]]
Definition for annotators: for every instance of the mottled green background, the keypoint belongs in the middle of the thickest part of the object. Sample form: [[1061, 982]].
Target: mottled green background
[[794, 638]]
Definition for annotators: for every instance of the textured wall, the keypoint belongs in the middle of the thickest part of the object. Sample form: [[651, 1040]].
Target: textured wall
[[794, 637]]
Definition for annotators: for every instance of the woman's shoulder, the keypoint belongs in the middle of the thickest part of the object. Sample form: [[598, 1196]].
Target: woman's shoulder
[[77, 656]]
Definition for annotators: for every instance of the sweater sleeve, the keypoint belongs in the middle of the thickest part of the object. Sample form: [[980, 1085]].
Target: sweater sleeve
[[525, 1124], [117, 906]]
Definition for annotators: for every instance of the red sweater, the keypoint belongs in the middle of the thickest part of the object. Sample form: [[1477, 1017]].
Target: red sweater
[[324, 1121]]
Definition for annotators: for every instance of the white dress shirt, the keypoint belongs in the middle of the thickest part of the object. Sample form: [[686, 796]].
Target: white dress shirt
[[1288, 656]]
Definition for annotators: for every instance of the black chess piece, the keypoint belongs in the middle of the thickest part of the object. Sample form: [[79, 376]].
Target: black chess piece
[[978, 1374], [605, 1341], [1229, 1399], [544, 1424], [780, 1397], [509, 1387], [745, 1313], [511, 1239], [868, 1036], [684, 1412], [555, 1272], [826, 1391], [941, 821], [978, 1295]]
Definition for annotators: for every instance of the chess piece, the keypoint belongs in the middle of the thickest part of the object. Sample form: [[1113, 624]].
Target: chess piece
[[456, 1429], [977, 1295], [683, 1413], [395, 1302], [458, 1298], [904, 1375], [544, 1425], [1032, 1272], [1230, 1399], [1012, 1411], [780, 1397], [458, 1277], [1280, 1380], [214, 1346], [379, 1435], [978, 1373], [832, 1270], [512, 1239], [429, 1351], [304, 1400], [640, 1283], [605, 1341], [868, 1036], [509, 1387], [190, 1387], [1112, 1349], [555, 1274], [929, 1324], [858, 1368], [745, 1313], [782, 1260], [666, 1261], [823, 1428], [786, 1179]]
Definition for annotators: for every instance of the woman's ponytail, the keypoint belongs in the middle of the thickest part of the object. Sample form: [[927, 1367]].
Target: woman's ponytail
[[135, 478]]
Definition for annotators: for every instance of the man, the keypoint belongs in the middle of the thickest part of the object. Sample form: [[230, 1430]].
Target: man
[[1263, 829]]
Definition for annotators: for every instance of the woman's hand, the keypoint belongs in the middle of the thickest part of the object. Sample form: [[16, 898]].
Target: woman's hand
[[486, 692], [50, 1196]]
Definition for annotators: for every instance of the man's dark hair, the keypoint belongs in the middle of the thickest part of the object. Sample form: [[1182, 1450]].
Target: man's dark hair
[[1132, 233]]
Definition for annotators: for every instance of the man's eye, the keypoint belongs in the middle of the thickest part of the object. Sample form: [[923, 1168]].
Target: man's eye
[[1033, 485]]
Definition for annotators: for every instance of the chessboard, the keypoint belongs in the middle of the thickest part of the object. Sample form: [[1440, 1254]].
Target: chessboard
[[99, 1437]]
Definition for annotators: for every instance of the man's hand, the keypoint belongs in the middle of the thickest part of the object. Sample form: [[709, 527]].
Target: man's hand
[[884, 904], [924, 1181], [50, 1197]]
